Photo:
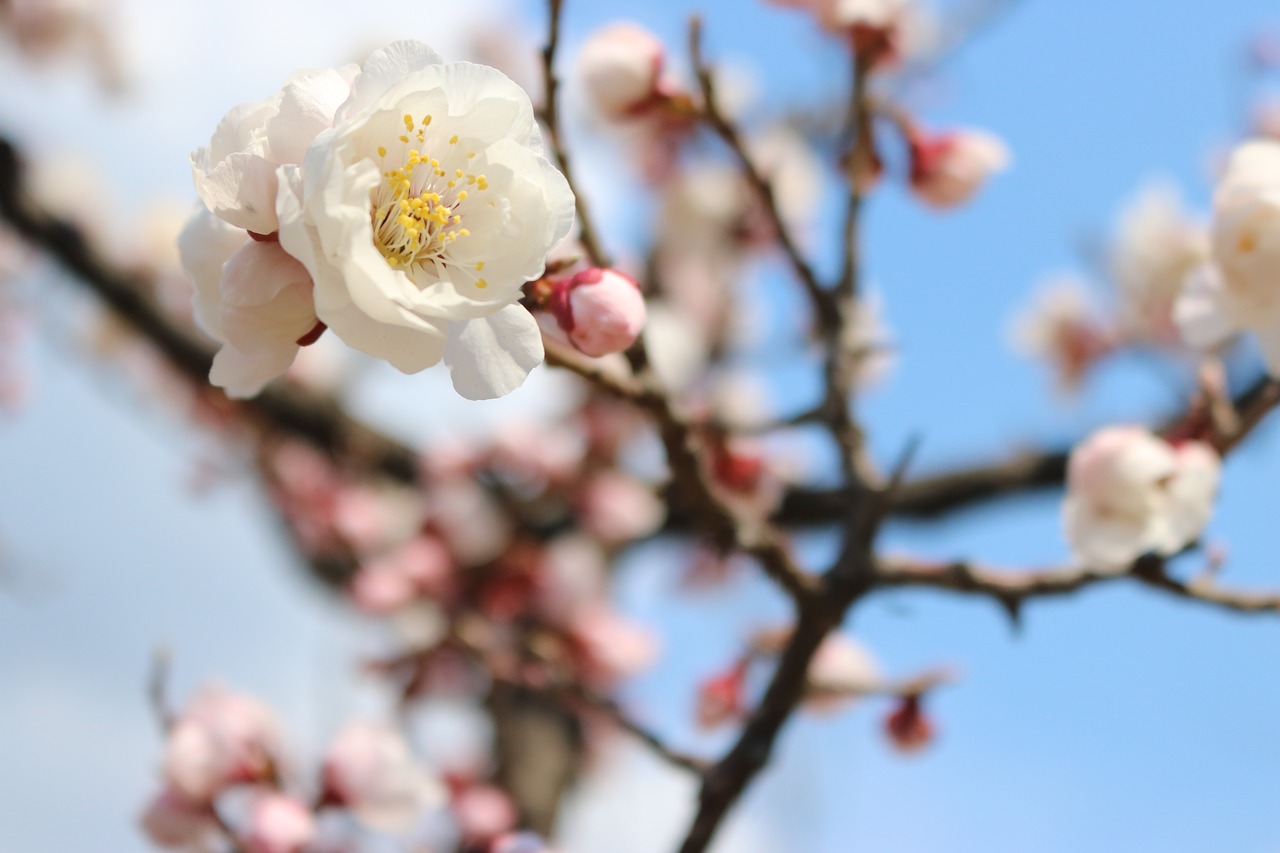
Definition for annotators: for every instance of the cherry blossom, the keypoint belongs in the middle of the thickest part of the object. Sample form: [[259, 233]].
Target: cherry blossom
[[370, 770], [621, 67], [949, 167], [278, 824], [1240, 289], [1130, 493], [173, 821], [422, 212], [222, 738], [1157, 244], [1064, 328]]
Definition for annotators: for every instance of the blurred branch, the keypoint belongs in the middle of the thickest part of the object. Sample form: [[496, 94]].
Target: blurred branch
[[725, 523], [312, 417], [555, 136], [760, 184], [1012, 589]]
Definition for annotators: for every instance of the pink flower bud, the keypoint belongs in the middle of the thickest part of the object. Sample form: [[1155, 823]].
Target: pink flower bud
[[221, 739], [371, 771], [601, 310], [279, 824], [907, 727], [483, 812], [720, 697], [948, 168], [621, 66], [172, 821]]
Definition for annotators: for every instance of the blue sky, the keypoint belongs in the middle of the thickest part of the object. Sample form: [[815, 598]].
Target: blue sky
[[1117, 720]]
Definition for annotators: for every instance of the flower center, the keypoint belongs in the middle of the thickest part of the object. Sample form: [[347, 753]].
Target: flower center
[[415, 209]]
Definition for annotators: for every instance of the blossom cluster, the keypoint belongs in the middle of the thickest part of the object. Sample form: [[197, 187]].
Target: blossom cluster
[[401, 205]]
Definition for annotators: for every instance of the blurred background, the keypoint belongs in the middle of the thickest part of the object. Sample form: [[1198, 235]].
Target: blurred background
[[1114, 720]]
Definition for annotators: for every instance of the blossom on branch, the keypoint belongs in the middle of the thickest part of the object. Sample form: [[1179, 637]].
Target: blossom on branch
[[1240, 289], [600, 311], [948, 168], [621, 66], [414, 195], [1131, 493]]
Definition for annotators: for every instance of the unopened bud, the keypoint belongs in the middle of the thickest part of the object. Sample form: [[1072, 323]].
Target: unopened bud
[[600, 310], [621, 66], [948, 168]]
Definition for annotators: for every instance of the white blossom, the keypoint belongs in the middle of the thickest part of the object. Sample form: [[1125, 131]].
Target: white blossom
[[236, 174], [371, 770], [1130, 492], [1157, 244], [948, 168], [1240, 290], [251, 296], [621, 67], [422, 213]]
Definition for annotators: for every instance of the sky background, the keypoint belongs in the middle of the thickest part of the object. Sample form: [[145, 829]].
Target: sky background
[[1117, 720]]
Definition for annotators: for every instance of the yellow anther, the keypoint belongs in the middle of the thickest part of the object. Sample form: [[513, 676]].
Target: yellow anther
[[426, 120], [408, 122], [481, 283], [462, 194], [382, 152], [453, 140], [463, 233], [404, 139], [470, 154], [479, 265]]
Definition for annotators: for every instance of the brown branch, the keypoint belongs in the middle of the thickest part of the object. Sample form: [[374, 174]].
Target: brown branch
[[555, 136], [760, 184], [1011, 589], [697, 492], [578, 693], [314, 418]]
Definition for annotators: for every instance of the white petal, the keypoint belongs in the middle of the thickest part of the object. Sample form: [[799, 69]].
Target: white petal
[[383, 69], [205, 244], [257, 273], [1103, 543], [491, 356], [409, 349], [240, 189], [244, 375], [1201, 312], [308, 102]]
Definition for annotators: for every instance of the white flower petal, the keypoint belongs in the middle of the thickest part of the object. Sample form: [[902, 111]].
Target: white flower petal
[[308, 102], [205, 245], [1201, 311], [240, 189], [491, 356], [383, 69], [244, 375]]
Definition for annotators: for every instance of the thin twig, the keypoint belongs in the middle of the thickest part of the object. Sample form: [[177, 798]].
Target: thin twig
[[587, 233], [1014, 588], [760, 184]]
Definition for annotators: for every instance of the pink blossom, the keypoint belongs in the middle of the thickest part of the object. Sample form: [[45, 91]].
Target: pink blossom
[[1130, 492], [1063, 328], [615, 647], [601, 310], [483, 813], [173, 821], [221, 739], [720, 697], [388, 583], [948, 168], [618, 508], [370, 770], [621, 67], [278, 824]]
